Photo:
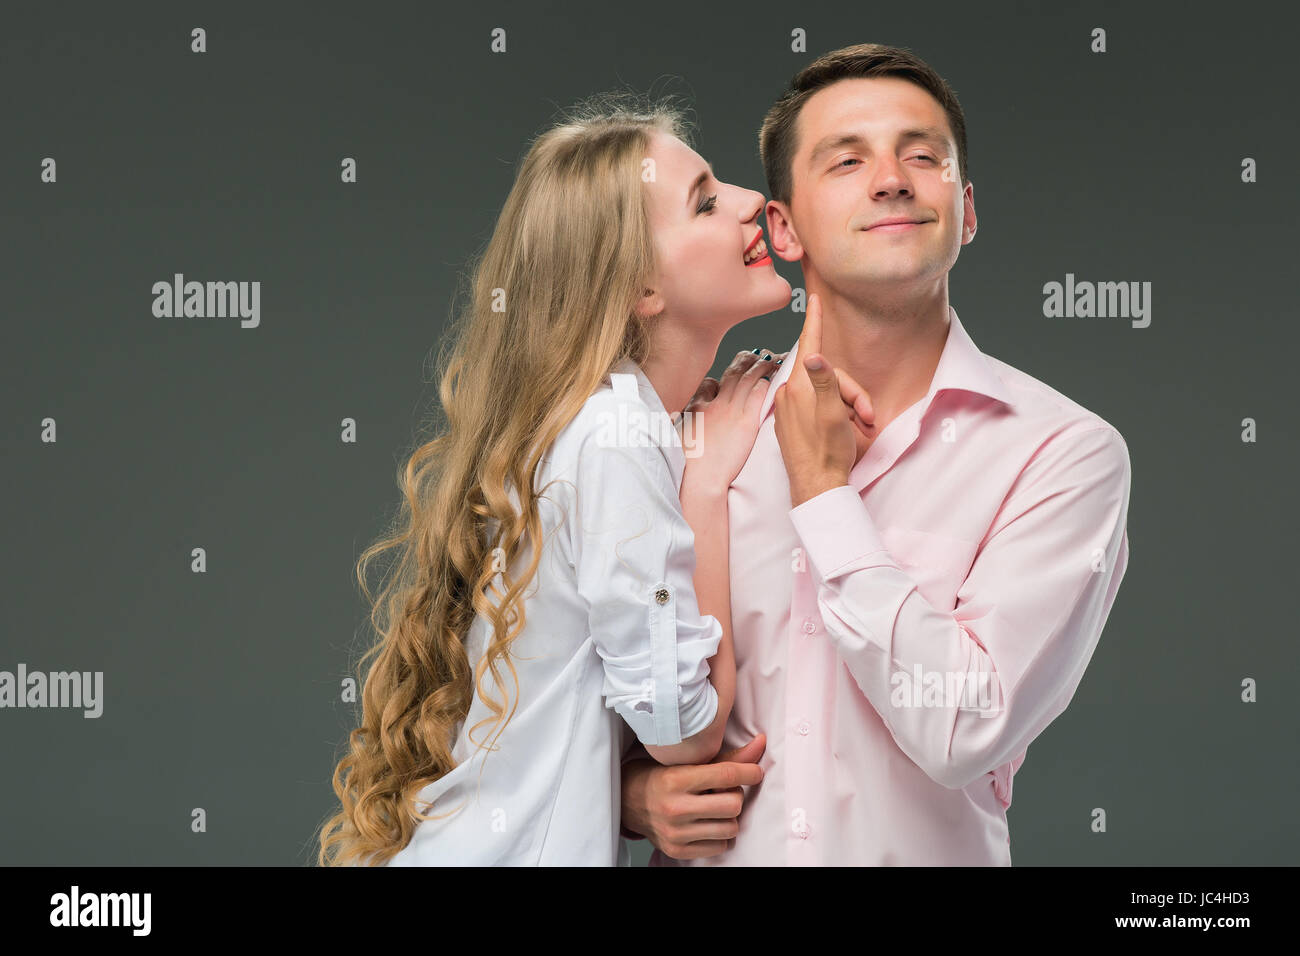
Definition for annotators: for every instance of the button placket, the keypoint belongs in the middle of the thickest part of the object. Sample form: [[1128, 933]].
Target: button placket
[[806, 668]]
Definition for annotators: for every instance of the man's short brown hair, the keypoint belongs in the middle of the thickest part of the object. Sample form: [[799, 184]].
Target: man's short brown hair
[[776, 138]]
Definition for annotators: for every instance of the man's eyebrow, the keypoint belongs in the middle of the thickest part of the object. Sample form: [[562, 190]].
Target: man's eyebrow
[[930, 134], [700, 180], [834, 141]]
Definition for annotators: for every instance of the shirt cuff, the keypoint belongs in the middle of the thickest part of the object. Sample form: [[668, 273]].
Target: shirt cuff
[[836, 528], [627, 834]]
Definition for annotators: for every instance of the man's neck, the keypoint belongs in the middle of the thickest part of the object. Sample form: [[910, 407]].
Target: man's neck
[[890, 347]]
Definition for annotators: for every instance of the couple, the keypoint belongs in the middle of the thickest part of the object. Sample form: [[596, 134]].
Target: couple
[[918, 545]]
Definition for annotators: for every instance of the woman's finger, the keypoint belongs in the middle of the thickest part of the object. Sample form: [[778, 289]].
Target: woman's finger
[[695, 851], [704, 830], [754, 374], [737, 368], [706, 393]]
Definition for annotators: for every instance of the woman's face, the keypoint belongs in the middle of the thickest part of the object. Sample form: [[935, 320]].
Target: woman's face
[[705, 233]]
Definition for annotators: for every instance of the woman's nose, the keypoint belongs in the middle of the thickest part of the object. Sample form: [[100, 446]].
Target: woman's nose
[[752, 206]]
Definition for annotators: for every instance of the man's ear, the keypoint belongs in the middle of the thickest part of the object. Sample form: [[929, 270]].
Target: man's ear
[[781, 237], [968, 213], [649, 304]]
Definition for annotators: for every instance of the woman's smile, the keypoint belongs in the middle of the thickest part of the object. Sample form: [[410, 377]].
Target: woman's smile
[[756, 254]]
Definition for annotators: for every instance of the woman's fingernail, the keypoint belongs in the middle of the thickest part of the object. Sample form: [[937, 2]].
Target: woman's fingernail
[[767, 358], [779, 361], [756, 351]]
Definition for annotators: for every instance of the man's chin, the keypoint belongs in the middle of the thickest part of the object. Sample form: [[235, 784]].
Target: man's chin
[[887, 280]]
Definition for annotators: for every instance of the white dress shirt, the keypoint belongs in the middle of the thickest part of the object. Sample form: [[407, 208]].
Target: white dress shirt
[[613, 639]]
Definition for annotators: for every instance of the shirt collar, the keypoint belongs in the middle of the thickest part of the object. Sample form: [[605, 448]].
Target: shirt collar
[[961, 366], [643, 386], [673, 451]]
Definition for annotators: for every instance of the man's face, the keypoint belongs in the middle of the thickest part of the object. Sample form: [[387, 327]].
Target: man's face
[[859, 160]]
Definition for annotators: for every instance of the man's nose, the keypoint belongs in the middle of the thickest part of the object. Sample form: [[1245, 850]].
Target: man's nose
[[891, 180]]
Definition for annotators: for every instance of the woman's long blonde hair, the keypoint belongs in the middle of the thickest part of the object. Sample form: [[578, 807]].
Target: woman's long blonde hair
[[549, 315]]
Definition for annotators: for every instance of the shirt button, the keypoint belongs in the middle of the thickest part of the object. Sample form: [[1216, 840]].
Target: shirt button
[[803, 832], [809, 625], [804, 727]]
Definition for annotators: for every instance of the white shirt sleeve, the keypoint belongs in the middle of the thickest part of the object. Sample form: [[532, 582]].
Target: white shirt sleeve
[[634, 555]]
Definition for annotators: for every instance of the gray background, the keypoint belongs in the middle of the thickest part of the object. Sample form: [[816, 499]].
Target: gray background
[[222, 688]]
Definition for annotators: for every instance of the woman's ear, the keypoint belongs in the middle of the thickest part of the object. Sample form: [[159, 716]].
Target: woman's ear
[[650, 304]]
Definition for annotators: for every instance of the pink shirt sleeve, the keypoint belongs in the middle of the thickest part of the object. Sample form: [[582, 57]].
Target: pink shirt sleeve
[[1027, 618]]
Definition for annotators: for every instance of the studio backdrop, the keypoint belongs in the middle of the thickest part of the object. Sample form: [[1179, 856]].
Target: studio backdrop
[[189, 493]]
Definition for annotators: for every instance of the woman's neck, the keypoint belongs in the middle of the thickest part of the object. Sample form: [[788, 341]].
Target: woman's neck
[[680, 358]]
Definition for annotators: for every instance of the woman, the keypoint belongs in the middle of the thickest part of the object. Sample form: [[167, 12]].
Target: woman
[[616, 266]]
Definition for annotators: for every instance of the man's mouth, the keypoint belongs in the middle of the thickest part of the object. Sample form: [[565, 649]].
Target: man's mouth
[[896, 225]]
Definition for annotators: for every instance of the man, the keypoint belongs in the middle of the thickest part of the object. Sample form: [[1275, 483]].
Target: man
[[910, 611]]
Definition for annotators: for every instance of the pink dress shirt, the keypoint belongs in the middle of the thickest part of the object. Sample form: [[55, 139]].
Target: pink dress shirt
[[903, 638]]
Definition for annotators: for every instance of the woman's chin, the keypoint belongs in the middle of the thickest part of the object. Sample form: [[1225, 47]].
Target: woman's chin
[[774, 301], [779, 298], [759, 299]]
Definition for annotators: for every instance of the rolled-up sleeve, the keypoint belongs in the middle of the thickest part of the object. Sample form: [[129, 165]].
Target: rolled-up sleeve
[[635, 563], [1027, 618]]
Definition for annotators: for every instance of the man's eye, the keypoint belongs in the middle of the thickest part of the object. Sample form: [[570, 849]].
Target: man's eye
[[923, 156], [843, 161]]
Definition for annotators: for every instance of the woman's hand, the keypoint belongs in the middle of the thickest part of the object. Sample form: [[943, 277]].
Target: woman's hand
[[720, 422]]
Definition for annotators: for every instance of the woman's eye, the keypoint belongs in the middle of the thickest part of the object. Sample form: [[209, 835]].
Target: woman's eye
[[708, 204]]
